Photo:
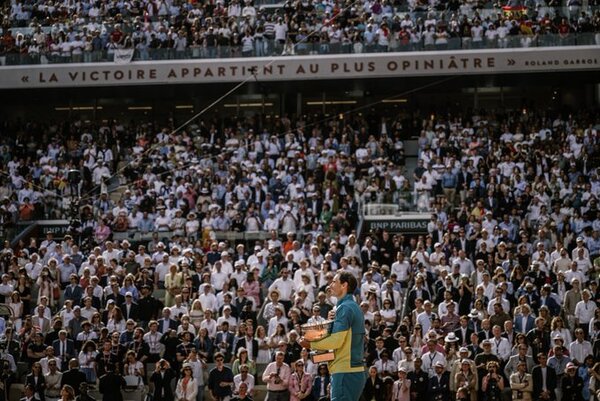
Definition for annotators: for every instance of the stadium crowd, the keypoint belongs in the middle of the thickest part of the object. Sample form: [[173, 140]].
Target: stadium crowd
[[85, 31], [497, 301]]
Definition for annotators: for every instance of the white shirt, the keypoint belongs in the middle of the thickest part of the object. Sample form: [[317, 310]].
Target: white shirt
[[584, 312], [280, 31], [501, 348], [208, 301], [425, 321], [402, 270], [153, 341], [285, 287], [430, 359], [210, 326], [237, 380], [443, 308], [579, 350], [298, 277], [273, 322], [504, 302]]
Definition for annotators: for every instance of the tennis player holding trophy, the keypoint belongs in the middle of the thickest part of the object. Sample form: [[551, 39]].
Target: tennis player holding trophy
[[345, 337]]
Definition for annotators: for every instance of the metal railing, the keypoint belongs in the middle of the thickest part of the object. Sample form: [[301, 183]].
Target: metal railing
[[270, 48]]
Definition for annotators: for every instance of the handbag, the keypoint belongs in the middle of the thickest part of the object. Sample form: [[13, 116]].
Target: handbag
[[55, 291], [133, 382]]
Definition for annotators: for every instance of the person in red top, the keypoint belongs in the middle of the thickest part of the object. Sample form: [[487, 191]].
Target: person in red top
[[26, 210], [564, 28], [117, 35]]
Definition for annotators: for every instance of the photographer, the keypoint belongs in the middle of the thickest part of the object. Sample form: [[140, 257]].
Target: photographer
[[493, 383], [7, 378], [5, 356], [161, 378]]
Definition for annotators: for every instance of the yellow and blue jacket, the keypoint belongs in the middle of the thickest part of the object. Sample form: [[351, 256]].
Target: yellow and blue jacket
[[346, 339]]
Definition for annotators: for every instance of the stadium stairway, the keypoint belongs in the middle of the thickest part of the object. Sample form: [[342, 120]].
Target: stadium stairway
[[411, 149]]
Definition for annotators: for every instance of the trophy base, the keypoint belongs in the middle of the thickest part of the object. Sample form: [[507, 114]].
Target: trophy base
[[322, 356]]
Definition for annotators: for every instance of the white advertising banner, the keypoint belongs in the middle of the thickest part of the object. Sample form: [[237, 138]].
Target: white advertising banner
[[123, 56], [357, 66]]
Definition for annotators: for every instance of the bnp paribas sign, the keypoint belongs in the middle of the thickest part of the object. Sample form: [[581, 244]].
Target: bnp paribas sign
[[408, 224]]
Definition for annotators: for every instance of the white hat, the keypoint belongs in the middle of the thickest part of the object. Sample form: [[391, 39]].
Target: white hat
[[450, 338]]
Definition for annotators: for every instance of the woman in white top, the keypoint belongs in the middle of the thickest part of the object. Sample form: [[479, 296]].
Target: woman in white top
[[192, 226], [279, 335], [67, 313], [264, 354], [116, 322], [352, 248], [132, 366], [17, 308], [315, 257], [196, 314], [416, 340], [87, 361], [558, 328], [187, 388], [388, 314]]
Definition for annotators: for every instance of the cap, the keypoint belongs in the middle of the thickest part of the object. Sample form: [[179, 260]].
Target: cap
[[128, 294], [401, 369], [439, 364]]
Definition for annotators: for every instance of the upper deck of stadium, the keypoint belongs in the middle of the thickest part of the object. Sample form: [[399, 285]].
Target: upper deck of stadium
[[41, 32]]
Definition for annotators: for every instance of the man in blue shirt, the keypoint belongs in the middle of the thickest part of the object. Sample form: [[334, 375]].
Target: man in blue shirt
[[449, 182]]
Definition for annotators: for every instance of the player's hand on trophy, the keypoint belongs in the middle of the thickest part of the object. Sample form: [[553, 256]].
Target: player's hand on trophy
[[304, 343]]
